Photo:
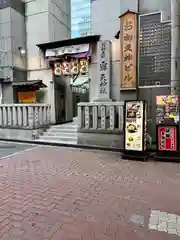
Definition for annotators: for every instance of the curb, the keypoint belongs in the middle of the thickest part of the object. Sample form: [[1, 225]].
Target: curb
[[80, 146], [64, 145]]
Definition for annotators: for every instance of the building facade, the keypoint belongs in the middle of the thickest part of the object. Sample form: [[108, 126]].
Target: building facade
[[46, 21], [154, 47], [80, 18], [23, 24], [12, 39]]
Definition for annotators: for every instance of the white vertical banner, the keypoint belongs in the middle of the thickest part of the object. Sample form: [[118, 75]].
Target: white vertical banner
[[104, 65]]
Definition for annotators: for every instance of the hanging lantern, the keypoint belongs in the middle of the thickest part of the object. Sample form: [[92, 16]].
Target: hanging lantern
[[57, 69], [83, 68], [65, 68], [74, 67]]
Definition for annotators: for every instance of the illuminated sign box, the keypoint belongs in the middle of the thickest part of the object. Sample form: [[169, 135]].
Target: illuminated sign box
[[167, 141], [135, 129]]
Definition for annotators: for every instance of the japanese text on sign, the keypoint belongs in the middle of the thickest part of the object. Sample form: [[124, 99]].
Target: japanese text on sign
[[103, 68], [128, 50]]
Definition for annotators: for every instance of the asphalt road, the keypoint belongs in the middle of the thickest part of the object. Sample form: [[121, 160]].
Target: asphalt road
[[8, 149]]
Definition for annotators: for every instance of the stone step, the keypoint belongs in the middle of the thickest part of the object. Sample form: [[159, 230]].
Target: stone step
[[60, 133], [64, 126], [62, 130], [56, 141], [58, 138]]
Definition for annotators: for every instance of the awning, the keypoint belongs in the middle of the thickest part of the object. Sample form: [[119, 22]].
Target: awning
[[69, 42], [33, 83], [75, 51], [81, 81], [81, 84]]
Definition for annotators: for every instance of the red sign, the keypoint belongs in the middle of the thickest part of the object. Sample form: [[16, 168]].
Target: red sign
[[167, 138]]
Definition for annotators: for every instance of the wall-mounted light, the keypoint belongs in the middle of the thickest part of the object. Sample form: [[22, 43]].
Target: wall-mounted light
[[117, 36], [22, 51]]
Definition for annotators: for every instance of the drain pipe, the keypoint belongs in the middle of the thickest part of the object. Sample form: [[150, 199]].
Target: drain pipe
[[175, 47], [137, 50]]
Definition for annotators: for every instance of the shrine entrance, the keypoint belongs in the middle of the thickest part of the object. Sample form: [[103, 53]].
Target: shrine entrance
[[60, 102], [80, 91]]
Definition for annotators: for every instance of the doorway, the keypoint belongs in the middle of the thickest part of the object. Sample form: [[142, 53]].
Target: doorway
[[60, 103], [77, 98]]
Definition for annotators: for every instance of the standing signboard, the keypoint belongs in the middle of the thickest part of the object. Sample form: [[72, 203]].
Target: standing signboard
[[135, 129], [167, 108], [167, 135]]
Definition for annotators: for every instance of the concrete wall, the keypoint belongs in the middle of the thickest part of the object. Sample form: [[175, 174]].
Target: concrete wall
[[53, 24], [105, 19], [108, 24], [12, 36], [46, 21]]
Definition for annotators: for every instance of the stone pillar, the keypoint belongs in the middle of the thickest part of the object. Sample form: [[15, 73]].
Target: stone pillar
[[0, 93], [175, 47], [52, 102], [104, 72]]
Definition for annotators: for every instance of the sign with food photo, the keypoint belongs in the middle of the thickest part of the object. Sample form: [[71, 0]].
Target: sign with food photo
[[134, 126]]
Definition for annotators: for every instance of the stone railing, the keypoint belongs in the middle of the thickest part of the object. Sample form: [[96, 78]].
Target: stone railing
[[100, 117], [27, 116]]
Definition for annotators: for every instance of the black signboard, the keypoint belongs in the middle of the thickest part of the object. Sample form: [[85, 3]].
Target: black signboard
[[167, 142], [155, 51]]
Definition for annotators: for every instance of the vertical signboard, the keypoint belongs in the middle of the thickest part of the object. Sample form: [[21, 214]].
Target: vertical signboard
[[128, 42], [135, 126], [104, 58]]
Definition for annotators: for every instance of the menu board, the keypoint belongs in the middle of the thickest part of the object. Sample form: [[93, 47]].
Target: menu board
[[167, 108], [134, 126], [167, 138]]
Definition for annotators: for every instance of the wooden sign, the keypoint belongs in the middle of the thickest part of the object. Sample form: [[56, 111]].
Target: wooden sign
[[128, 50]]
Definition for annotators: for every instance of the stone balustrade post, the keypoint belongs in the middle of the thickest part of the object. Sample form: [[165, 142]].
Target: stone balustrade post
[[31, 117]]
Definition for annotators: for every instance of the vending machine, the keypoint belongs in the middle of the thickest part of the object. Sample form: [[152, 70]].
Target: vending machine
[[135, 130]]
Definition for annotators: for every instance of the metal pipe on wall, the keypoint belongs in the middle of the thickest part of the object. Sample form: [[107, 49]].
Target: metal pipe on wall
[[137, 50], [175, 47]]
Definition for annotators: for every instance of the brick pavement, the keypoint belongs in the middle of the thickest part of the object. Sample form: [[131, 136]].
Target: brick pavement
[[67, 194]]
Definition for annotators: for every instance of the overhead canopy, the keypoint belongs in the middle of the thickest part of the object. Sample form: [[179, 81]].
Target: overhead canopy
[[69, 42], [81, 81], [75, 51], [37, 84]]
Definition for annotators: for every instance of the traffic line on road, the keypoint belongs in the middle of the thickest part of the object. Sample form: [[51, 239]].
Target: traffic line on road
[[19, 152]]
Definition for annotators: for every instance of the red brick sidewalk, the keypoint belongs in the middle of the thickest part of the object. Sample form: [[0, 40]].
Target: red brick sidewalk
[[65, 194]]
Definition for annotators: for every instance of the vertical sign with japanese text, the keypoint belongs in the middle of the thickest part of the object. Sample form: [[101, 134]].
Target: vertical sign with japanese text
[[104, 48], [128, 50]]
